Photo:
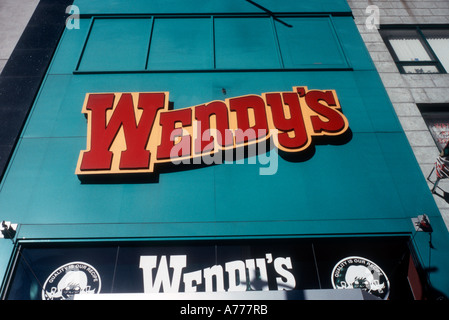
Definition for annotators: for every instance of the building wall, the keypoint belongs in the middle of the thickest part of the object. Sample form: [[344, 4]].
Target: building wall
[[408, 90], [12, 29], [30, 31], [15, 88]]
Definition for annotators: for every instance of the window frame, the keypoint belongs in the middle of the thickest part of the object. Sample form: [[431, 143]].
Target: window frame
[[345, 66], [93, 19], [107, 256], [430, 111], [435, 61]]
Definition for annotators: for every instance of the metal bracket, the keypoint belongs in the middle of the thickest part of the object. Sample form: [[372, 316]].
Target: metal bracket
[[8, 230], [422, 223]]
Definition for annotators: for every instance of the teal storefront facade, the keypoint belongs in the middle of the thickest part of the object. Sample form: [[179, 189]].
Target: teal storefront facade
[[352, 197]]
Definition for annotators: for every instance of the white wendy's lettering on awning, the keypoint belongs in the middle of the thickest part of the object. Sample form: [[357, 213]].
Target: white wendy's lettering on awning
[[241, 275]]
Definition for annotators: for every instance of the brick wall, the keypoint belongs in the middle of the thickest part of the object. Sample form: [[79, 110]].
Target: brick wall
[[408, 90]]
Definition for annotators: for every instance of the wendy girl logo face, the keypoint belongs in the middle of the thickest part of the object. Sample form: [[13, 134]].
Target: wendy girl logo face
[[137, 133], [71, 279], [361, 273]]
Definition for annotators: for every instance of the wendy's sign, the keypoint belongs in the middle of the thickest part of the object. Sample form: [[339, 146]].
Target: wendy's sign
[[131, 132]]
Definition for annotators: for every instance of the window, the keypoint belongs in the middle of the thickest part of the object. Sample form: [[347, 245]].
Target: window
[[439, 42], [116, 45], [176, 38], [436, 117], [209, 43], [245, 43], [417, 49], [309, 42], [66, 271]]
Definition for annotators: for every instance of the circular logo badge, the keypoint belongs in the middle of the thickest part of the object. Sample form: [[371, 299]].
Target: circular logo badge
[[360, 273], [71, 279]]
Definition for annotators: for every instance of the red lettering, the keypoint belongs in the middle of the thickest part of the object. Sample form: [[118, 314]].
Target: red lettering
[[241, 106], [170, 132], [203, 113], [120, 122], [294, 124], [335, 121], [103, 133]]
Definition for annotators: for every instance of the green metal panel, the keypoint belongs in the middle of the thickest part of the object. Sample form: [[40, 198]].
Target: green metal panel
[[310, 41], [116, 45], [186, 38], [245, 44], [362, 171]]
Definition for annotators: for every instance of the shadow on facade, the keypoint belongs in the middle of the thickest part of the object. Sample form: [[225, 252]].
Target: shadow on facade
[[239, 155]]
